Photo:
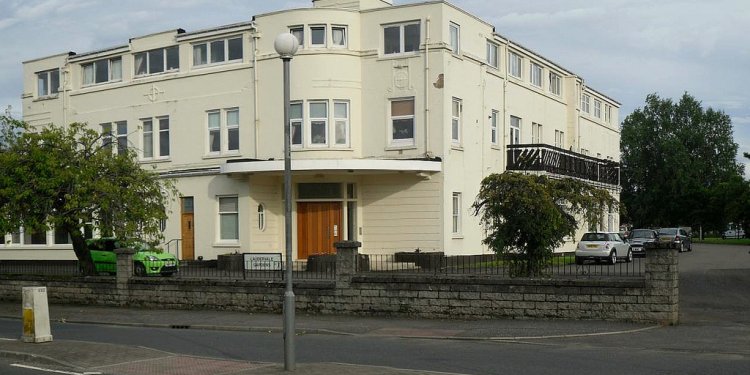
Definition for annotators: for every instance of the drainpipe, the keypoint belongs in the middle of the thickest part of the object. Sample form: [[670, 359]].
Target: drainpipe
[[64, 82], [505, 105], [255, 37], [427, 88]]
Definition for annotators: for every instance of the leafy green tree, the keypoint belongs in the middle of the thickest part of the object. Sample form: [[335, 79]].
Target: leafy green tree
[[65, 177], [527, 217], [673, 156]]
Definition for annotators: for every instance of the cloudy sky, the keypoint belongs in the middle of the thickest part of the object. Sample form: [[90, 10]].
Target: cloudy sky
[[623, 48]]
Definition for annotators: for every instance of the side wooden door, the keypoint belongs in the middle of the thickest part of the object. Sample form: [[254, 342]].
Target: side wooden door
[[318, 227], [188, 229]]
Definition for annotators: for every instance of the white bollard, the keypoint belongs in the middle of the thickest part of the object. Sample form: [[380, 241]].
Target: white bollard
[[35, 315]]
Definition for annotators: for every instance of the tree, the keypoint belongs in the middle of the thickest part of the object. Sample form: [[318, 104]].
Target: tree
[[67, 177], [673, 156], [529, 216]]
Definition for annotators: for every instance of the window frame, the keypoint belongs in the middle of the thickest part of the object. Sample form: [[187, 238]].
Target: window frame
[[536, 133], [493, 55], [226, 51], [515, 130], [515, 65], [222, 131], [346, 120], [456, 115], [299, 122], [50, 89], [454, 35], [323, 120], [597, 108], [402, 37], [559, 138], [222, 214], [607, 113], [535, 75], [494, 138], [402, 142], [586, 103], [318, 27], [456, 227], [301, 29], [261, 217], [165, 61], [111, 77], [345, 32], [157, 138], [555, 83], [121, 136]]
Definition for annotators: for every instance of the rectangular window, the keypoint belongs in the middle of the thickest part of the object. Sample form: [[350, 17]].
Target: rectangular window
[[515, 130], [341, 123], [122, 137], [37, 237], [586, 103], [493, 127], [318, 127], [106, 134], [597, 108], [61, 237], [299, 33], [101, 71], [157, 61], [217, 51], [536, 133], [401, 38], [492, 55], [456, 227], [318, 36], [338, 36], [229, 228], [223, 131], [559, 139], [295, 124], [148, 138], [48, 83], [455, 33], [608, 113], [514, 64], [402, 122], [536, 74], [155, 139], [163, 136], [555, 83], [456, 121]]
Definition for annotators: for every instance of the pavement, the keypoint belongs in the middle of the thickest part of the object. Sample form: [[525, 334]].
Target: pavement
[[81, 357]]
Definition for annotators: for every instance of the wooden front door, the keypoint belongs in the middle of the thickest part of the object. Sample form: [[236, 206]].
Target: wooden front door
[[188, 229], [318, 227]]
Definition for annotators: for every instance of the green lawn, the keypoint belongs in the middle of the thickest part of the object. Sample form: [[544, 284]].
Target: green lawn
[[719, 241]]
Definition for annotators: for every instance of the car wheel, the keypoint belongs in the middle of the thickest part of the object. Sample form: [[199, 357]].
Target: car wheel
[[612, 257], [629, 258], [682, 247], [140, 269], [579, 261]]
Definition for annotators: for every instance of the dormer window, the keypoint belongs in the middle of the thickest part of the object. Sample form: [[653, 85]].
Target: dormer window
[[104, 70], [157, 61], [217, 51]]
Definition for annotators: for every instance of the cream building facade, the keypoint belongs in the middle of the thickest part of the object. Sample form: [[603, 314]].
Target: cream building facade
[[398, 112]]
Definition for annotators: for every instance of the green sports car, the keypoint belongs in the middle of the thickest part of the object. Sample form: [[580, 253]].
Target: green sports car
[[147, 260]]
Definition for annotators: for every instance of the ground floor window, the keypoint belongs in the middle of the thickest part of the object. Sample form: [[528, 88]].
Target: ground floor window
[[229, 229]]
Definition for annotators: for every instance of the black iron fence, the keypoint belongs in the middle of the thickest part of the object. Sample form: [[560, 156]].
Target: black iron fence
[[542, 157], [561, 265], [39, 267]]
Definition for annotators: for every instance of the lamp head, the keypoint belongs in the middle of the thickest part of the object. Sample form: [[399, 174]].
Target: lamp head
[[286, 45]]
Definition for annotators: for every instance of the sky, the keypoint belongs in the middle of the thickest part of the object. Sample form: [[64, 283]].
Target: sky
[[625, 49]]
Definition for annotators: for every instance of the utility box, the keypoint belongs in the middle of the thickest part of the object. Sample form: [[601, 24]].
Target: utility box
[[35, 315]]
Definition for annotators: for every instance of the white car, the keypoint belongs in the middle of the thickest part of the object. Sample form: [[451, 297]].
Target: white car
[[733, 233], [602, 246]]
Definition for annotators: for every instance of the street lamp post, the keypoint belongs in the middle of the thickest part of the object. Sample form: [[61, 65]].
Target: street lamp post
[[286, 46]]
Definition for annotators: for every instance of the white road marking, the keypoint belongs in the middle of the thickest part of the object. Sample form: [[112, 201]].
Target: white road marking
[[54, 371]]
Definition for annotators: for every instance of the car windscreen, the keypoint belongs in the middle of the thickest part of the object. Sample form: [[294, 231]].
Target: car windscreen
[[642, 233], [668, 231], [595, 237]]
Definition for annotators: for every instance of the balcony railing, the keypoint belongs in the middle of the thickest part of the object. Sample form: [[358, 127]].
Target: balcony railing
[[555, 160]]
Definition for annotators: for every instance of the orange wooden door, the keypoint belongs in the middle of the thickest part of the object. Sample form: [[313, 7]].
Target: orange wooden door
[[318, 227], [188, 229]]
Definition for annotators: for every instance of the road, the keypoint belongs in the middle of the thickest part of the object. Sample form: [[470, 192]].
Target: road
[[713, 337]]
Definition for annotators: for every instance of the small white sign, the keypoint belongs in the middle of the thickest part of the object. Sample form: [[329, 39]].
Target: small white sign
[[262, 261]]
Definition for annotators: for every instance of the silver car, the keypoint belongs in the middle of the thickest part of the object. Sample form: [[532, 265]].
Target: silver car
[[638, 239], [602, 246]]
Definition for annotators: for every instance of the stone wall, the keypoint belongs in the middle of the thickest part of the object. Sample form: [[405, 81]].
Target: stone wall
[[653, 298]]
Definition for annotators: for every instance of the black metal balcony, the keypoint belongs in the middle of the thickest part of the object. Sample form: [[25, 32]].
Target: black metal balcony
[[558, 161]]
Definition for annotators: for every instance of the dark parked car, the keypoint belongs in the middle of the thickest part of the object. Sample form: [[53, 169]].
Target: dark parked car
[[678, 236], [639, 237]]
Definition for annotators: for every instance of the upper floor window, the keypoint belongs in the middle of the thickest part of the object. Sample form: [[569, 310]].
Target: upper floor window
[[223, 131], [559, 139], [318, 36], [515, 130], [597, 108], [401, 38], [48, 82], [115, 133], [402, 122], [555, 83], [536, 133], [586, 103], [295, 124], [536, 74], [456, 121], [217, 51], [455, 33], [338, 36], [299, 33], [317, 131], [493, 127], [155, 138], [492, 55], [514, 64], [608, 113], [157, 61], [103, 70]]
